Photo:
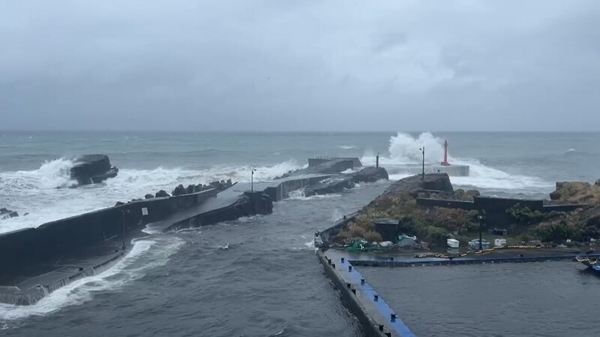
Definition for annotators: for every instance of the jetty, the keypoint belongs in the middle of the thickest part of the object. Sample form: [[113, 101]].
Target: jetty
[[39, 260]]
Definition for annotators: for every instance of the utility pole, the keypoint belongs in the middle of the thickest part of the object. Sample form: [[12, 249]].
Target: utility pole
[[481, 224], [423, 165], [252, 180], [377, 160]]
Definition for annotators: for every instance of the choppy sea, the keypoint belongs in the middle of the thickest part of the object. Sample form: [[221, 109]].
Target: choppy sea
[[256, 276]]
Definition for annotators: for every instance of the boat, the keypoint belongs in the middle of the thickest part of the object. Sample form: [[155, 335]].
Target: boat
[[591, 264], [474, 244]]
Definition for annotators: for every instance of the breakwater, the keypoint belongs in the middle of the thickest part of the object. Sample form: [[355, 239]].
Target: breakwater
[[37, 261]]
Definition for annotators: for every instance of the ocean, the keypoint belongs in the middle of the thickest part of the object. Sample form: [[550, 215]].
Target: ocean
[[256, 276]]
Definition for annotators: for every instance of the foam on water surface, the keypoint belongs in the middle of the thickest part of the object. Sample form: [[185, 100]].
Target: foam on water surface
[[144, 255]]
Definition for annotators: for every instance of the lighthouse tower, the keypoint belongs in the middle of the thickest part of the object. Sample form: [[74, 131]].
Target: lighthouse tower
[[445, 162]]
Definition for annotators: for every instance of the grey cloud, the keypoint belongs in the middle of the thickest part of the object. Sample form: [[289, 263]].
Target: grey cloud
[[300, 65]]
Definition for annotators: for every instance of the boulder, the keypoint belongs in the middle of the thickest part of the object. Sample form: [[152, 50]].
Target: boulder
[[179, 190], [576, 193], [148, 196], [414, 184], [161, 194], [92, 169], [473, 193], [370, 175], [7, 213]]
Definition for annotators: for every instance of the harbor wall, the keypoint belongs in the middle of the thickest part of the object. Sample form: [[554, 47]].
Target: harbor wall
[[33, 245], [312, 162], [249, 203], [283, 190], [365, 314], [332, 231]]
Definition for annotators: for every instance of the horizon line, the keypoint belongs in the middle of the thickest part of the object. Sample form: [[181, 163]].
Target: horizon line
[[293, 131]]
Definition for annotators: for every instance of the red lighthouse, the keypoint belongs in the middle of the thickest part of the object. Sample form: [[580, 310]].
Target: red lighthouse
[[445, 162]]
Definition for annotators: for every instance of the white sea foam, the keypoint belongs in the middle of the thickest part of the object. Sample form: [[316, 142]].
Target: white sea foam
[[43, 193], [347, 147], [404, 149], [300, 195], [123, 272], [337, 215]]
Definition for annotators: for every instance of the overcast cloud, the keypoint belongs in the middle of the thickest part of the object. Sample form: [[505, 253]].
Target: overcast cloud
[[300, 65]]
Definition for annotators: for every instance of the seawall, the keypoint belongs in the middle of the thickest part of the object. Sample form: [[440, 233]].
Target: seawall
[[33, 245], [36, 261], [313, 162]]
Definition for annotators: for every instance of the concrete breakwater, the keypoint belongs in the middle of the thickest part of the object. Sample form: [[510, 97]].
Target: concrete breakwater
[[37, 261], [377, 318]]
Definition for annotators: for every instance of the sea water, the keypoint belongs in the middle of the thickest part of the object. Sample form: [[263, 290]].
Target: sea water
[[267, 282]]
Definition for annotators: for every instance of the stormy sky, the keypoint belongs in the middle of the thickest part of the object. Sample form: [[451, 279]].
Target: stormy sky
[[300, 65]]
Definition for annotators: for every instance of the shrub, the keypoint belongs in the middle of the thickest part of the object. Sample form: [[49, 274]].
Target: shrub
[[373, 237]]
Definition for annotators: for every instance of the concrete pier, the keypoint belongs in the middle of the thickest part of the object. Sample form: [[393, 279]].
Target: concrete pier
[[373, 312], [376, 316]]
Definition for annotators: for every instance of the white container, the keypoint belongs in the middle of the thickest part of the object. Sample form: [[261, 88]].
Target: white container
[[500, 243], [453, 243]]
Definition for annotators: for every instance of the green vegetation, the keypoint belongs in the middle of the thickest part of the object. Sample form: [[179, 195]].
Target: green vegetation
[[434, 225], [431, 225]]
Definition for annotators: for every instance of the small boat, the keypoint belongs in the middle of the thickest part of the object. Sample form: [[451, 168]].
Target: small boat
[[591, 264], [474, 244]]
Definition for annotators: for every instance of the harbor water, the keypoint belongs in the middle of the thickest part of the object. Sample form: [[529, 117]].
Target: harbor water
[[258, 276]]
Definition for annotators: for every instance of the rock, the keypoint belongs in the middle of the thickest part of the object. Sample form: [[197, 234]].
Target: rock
[[148, 196], [597, 183], [162, 194], [190, 189], [576, 193], [432, 182], [7, 213], [555, 195], [179, 190], [119, 203], [370, 175], [473, 193], [92, 169]]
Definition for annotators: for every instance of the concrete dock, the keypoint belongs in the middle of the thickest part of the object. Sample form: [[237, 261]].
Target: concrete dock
[[376, 316]]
